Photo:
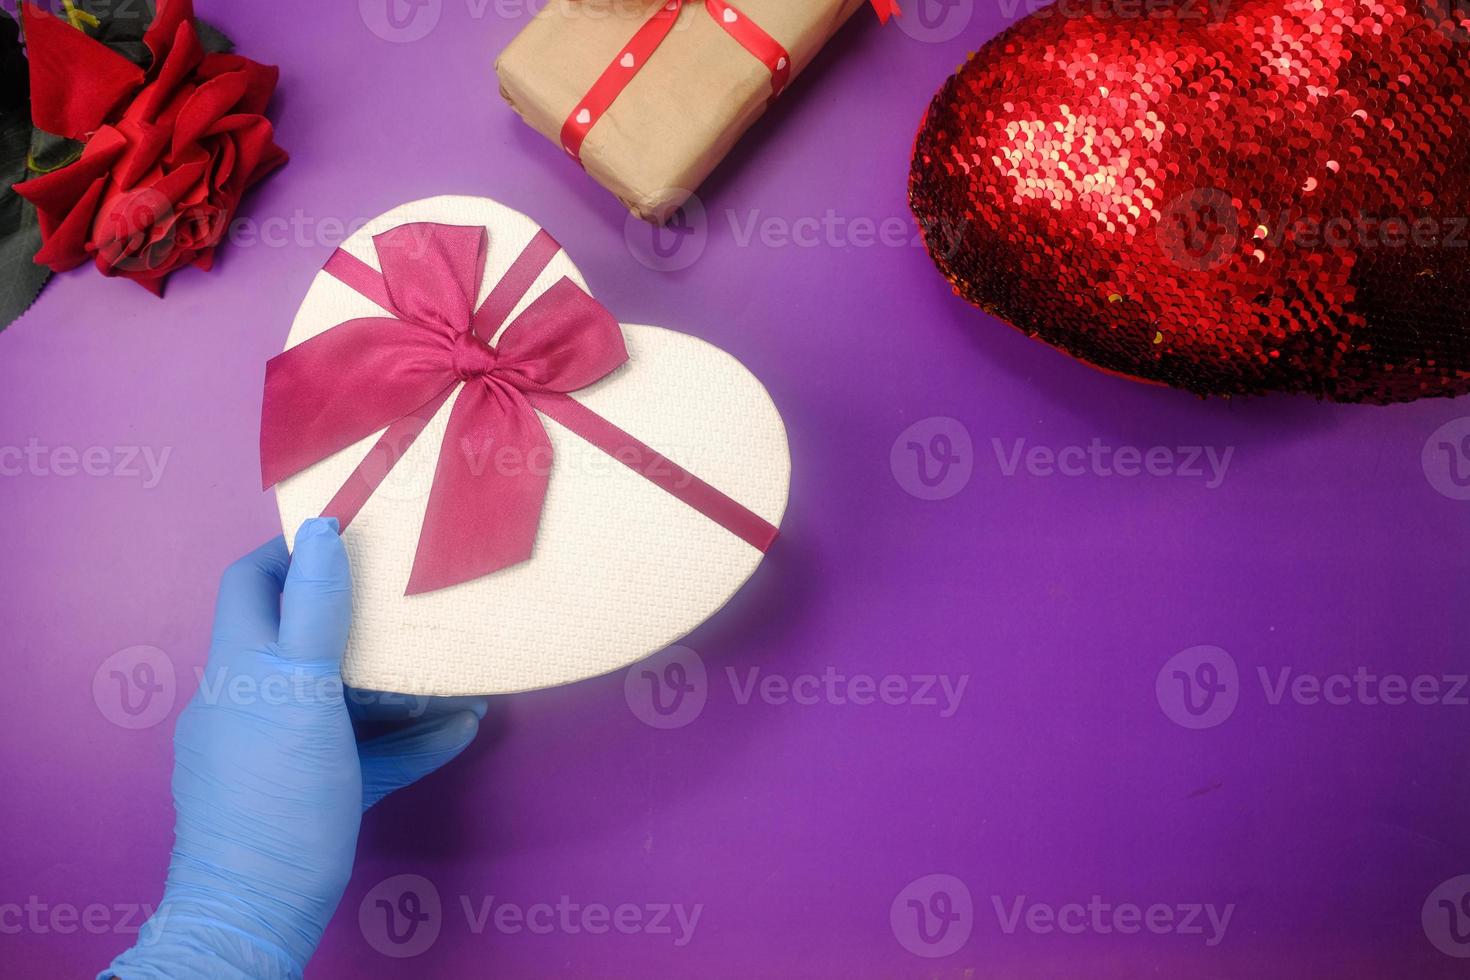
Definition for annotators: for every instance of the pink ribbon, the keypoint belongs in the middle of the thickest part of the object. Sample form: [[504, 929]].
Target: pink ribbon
[[394, 373]]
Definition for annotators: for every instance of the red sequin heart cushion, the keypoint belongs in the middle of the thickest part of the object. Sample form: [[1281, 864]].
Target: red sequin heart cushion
[[1258, 197]]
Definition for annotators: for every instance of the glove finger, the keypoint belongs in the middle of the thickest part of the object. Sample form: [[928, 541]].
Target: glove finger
[[391, 762], [248, 611], [374, 707], [316, 605]]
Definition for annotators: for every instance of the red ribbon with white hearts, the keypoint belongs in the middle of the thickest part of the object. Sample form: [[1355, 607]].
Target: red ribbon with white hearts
[[628, 62]]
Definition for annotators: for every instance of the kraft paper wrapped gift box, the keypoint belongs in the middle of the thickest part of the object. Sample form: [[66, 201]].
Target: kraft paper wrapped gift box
[[684, 107]]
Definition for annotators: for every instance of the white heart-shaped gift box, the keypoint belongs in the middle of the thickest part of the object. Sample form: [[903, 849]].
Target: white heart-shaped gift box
[[621, 568]]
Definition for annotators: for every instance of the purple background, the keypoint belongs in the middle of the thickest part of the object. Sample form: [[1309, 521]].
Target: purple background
[[1060, 776]]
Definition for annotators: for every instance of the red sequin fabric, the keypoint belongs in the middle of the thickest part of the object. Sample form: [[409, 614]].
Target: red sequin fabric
[[1227, 197]]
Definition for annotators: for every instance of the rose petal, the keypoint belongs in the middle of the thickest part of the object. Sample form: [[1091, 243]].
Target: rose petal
[[76, 82], [210, 101], [225, 155], [184, 56], [145, 145], [134, 211], [260, 79], [275, 157], [65, 245], [258, 154], [163, 32], [153, 284]]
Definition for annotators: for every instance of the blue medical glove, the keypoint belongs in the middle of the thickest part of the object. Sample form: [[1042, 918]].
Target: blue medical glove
[[274, 764]]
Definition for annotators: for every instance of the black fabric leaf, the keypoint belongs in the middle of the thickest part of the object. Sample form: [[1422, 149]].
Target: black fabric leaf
[[121, 25], [20, 233], [21, 278], [50, 152], [213, 39], [15, 79]]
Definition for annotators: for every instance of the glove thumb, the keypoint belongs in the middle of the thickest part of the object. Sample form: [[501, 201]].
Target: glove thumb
[[316, 603]]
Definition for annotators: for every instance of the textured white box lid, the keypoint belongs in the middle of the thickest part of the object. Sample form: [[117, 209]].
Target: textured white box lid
[[621, 567]]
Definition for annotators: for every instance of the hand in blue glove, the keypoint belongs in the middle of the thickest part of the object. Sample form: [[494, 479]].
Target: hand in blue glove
[[270, 777]]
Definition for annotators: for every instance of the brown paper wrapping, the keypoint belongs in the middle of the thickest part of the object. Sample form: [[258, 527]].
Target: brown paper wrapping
[[687, 106]]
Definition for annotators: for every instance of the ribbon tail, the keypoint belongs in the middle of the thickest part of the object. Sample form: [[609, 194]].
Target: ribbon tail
[[610, 84], [489, 489], [341, 387], [754, 39]]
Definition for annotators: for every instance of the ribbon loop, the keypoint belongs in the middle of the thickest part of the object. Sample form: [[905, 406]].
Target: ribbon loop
[[394, 374], [368, 375], [433, 273], [563, 342]]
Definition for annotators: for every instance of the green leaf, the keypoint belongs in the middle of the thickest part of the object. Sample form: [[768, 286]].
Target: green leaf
[[21, 278], [20, 231]]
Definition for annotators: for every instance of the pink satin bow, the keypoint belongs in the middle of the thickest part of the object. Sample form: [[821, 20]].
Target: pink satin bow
[[369, 374]]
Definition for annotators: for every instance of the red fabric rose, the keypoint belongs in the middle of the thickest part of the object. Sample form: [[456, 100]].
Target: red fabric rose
[[168, 151]]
